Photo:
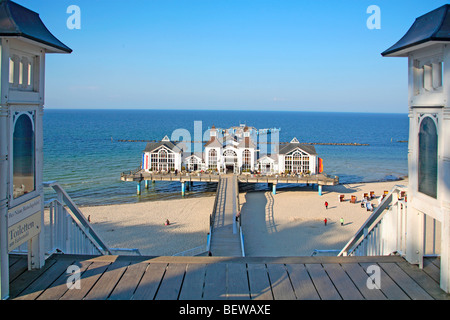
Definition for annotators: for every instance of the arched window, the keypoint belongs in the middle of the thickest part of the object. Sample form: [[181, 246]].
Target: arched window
[[428, 158], [212, 159], [246, 160], [23, 156]]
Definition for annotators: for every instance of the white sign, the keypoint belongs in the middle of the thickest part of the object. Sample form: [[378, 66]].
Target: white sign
[[24, 231], [23, 211]]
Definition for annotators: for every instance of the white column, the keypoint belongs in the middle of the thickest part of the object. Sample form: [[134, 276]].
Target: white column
[[445, 250], [4, 170], [414, 236]]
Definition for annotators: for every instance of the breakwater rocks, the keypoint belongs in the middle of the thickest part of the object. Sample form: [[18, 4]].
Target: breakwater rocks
[[311, 143]]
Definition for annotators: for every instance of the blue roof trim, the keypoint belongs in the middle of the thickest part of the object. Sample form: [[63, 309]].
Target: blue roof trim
[[18, 21], [433, 26]]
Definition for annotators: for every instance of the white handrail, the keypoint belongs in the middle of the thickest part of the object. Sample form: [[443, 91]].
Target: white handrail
[[372, 225]]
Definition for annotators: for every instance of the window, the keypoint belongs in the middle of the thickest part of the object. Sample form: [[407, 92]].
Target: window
[[246, 160], [22, 71], [212, 159], [428, 75], [11, 70], [428, 156], [23, 156], [297, 162]]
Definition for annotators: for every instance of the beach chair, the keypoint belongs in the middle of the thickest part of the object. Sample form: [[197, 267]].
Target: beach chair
[[386, 192], [372, 194], [365, 195], [341, 198], [353, 199]]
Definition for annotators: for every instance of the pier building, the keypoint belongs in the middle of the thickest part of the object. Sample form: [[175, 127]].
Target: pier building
[[234, 150]]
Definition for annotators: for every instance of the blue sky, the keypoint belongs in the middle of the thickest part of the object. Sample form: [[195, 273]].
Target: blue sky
[[229, 54]]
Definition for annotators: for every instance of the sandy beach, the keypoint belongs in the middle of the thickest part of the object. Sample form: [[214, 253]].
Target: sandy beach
[[142, 225], [290, 223]]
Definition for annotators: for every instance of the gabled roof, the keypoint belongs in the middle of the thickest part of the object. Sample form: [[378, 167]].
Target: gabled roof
[[152, 146], [18, 21], [433, 26], [213, 143], [289, 147]]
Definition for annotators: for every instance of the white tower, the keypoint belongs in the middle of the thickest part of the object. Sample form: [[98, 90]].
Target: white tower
[[24, 41], [427, 47]]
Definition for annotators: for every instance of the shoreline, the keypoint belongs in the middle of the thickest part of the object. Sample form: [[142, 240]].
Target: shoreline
[[202, 194], [289, 223]]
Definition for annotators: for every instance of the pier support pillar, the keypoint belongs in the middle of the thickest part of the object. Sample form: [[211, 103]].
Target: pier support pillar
[[146, 184], [320, 189], [274, 188], [183, 188], [138, 189]]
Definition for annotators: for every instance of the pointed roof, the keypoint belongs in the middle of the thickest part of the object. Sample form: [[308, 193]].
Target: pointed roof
[[433, 26], [213, 143], [152, 146], [18, 21], [289, 147]]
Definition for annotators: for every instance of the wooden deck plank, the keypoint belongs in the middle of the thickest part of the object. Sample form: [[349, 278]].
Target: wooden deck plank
[[87, 281], [150, 281], [412, 289], [389, 288], [303, 287], [424, 280], [59, 287], [44, 281], [259, 282], [237, 282], [25, 279], [19, 266], [215, 282], [280, 282], [359, 277], [108, 280], [342, 282], [227, 277], [126, 286], [172, 281], [429, 266], [193, 283], [322, 282]]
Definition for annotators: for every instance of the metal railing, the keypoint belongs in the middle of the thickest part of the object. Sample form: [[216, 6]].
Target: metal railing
[[384, 232], [238, 220]]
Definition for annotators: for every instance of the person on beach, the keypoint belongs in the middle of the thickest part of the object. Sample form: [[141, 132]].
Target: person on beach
[[342, 221], [167, 222], [326, 205], [325, 221]]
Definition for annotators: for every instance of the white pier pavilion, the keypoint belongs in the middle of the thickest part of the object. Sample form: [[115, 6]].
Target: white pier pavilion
[[233, 150]]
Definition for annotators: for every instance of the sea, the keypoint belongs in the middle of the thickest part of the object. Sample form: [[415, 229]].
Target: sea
[[86, 151]]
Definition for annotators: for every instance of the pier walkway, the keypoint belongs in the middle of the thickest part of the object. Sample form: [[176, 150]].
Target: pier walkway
[[225, 238]]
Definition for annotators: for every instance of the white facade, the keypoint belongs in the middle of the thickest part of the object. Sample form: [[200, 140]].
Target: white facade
[[429, 79], [22, 70], [428, 211]]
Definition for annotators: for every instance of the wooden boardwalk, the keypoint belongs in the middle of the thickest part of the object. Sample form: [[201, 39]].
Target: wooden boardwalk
[[214, 278], [225, 240]]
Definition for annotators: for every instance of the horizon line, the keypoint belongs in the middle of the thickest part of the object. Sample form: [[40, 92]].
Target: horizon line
[[222, 110]]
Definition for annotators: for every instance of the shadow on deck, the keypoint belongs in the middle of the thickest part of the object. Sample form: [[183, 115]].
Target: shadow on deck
[[214, 278]]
